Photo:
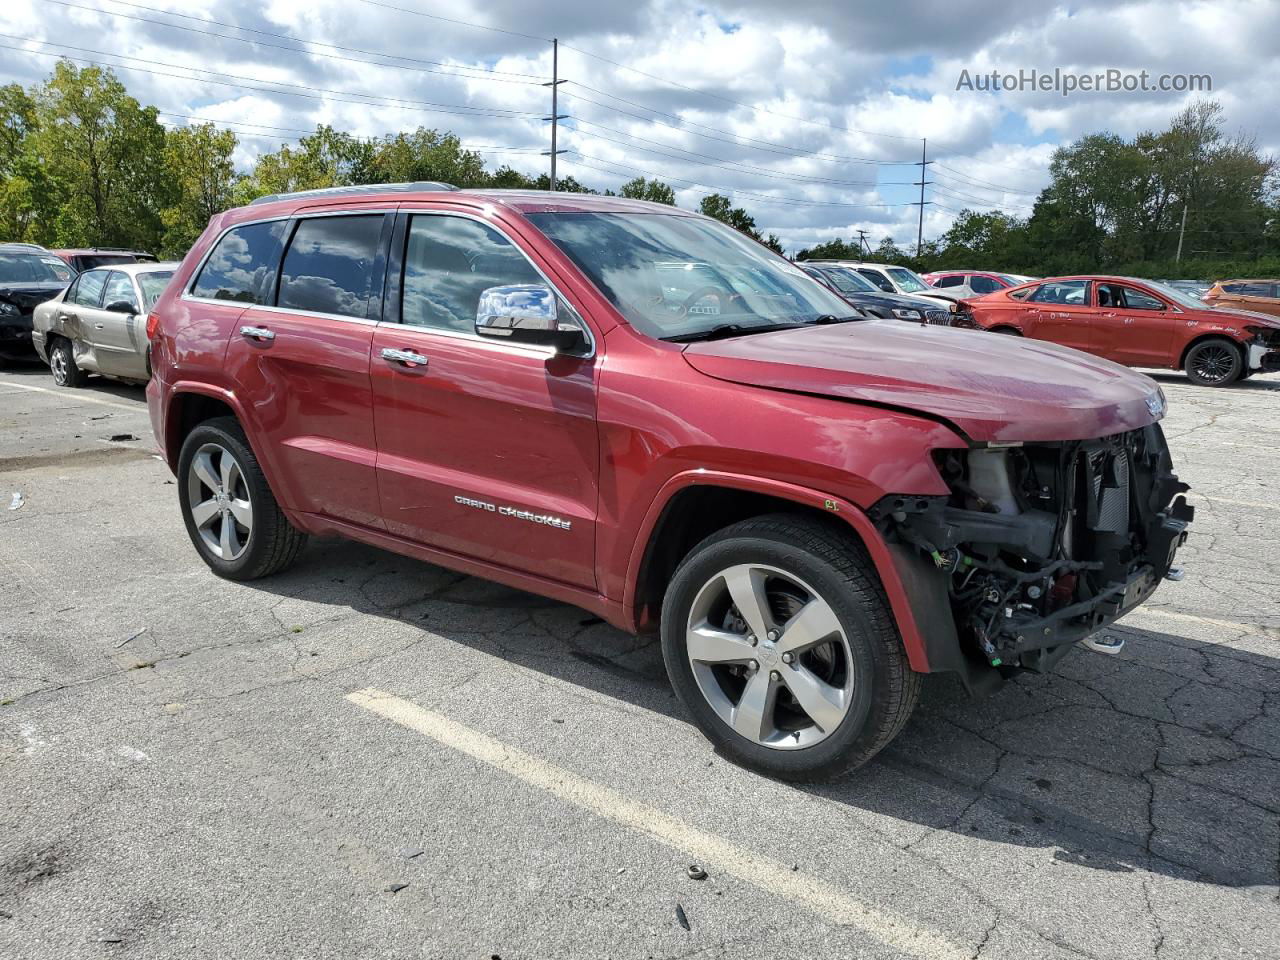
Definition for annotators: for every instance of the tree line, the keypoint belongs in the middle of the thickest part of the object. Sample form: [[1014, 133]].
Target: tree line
[[1118, 205], [82, 163]]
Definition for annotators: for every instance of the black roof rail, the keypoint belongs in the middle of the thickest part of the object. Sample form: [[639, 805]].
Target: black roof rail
[[421, 186]]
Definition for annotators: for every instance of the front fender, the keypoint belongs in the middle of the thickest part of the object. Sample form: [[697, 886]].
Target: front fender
[[858, 523]]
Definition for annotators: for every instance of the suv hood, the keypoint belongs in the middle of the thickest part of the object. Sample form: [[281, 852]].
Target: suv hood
[[890, 300], [991, 388]]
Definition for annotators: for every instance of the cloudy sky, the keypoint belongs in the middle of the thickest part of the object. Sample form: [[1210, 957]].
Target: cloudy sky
[[809, 113]]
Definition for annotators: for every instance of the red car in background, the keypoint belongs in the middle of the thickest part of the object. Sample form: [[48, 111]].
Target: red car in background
[[1140, 323], [980, 282]]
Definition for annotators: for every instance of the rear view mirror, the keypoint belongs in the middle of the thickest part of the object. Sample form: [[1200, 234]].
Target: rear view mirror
[[526, 313], [122, 306]]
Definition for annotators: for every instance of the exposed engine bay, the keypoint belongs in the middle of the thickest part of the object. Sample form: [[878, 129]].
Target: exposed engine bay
[[1041, 545]]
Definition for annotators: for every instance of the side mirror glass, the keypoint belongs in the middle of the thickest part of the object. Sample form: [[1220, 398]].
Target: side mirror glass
[[526, 313], [122, 306]]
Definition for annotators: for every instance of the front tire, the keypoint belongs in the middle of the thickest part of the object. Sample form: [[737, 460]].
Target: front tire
[[62, 364], [232, 516], [824, 686], [1214, 363]]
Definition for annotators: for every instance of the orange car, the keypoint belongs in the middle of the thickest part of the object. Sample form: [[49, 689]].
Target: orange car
[[1262, 296]]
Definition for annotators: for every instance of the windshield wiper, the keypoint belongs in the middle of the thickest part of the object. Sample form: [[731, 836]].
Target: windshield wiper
[[725, 330], [832, 318]]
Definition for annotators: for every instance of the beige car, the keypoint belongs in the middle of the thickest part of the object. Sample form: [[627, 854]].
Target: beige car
[[99, 323], [1260, 296]]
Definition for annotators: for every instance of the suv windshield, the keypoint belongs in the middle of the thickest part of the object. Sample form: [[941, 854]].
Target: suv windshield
[[906, 280], [674, 276], [29, 268]]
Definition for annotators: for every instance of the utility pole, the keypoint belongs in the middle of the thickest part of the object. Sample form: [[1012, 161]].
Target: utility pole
[[862, 243], [924, 167], [1181, 230], [555, 117]]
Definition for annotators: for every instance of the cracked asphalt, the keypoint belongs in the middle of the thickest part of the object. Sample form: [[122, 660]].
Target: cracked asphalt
[[182, 773]]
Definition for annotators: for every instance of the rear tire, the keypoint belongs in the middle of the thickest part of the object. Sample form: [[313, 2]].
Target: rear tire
[[1216, 362], [1007, 331], [232, 516], [62, 364], [814, 582]]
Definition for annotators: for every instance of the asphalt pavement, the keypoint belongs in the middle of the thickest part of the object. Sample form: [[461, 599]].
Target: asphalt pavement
[[371, 757]]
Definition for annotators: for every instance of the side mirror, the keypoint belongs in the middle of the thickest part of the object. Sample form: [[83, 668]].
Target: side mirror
[[122, 306], [526, 313]]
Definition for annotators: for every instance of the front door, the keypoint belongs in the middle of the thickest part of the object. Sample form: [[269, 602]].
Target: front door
[[1133, 326], [487, 450], [119, 337], [1060, 312]]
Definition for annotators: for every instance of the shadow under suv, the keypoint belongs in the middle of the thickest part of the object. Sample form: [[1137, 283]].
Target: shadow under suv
[[637, 410]]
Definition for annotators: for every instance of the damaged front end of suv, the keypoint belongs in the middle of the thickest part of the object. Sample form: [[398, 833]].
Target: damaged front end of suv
[[1037, 547]]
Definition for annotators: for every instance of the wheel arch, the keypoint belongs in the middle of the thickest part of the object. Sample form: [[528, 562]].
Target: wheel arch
[[691, 507], [1215, 335]]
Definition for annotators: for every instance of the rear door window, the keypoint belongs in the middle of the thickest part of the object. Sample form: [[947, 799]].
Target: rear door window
[[329, 266], [951, 280], [88, 292], [1066, 292], [243, 265]]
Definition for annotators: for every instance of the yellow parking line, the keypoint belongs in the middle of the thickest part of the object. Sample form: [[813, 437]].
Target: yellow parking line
[[769, 875], [78, 396]]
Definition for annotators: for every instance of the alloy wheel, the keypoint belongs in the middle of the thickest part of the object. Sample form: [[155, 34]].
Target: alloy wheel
[[58, 366], [770, 656], [221, 507], [1213, 363]]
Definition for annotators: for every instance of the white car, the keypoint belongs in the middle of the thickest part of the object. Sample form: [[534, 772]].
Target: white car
[[99, 323], [894, 279]]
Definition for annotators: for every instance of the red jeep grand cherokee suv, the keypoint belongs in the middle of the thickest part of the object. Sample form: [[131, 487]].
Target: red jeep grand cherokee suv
[[637, 410]]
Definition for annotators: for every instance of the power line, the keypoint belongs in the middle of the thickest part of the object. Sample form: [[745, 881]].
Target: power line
[[725, 190], [338, 96], [738, 141], [486, 74], [460, 23], [738, 103], [964, 176]]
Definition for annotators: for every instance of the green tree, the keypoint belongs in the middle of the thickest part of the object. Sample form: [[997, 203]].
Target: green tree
[[426, 155], [26, 193], [653, 190], [198, 162], [831, 250], [104, 153]]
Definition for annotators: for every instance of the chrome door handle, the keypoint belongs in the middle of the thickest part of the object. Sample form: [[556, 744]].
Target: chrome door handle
[[98, 326], [403, 356], [257, 333]]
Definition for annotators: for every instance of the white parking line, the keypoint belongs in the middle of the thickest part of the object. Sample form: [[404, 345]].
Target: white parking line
[[1238, 503], [75, 395], [776, 878]]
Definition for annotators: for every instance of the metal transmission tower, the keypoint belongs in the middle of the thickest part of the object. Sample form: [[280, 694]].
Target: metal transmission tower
[[555, 117], [924, 168]]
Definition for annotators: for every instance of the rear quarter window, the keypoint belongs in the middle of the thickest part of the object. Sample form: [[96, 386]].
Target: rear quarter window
[[243, 265]]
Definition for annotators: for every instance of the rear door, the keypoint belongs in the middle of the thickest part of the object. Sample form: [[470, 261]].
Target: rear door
[[1060, 311], [79, 314], [119, 337], [485, 449], [301, 362]]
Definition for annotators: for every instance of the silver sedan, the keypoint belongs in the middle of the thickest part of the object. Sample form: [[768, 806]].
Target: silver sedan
[[99, 323]]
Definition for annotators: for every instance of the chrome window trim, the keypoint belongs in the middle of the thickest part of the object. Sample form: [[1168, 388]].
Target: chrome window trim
[[475, 337]]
